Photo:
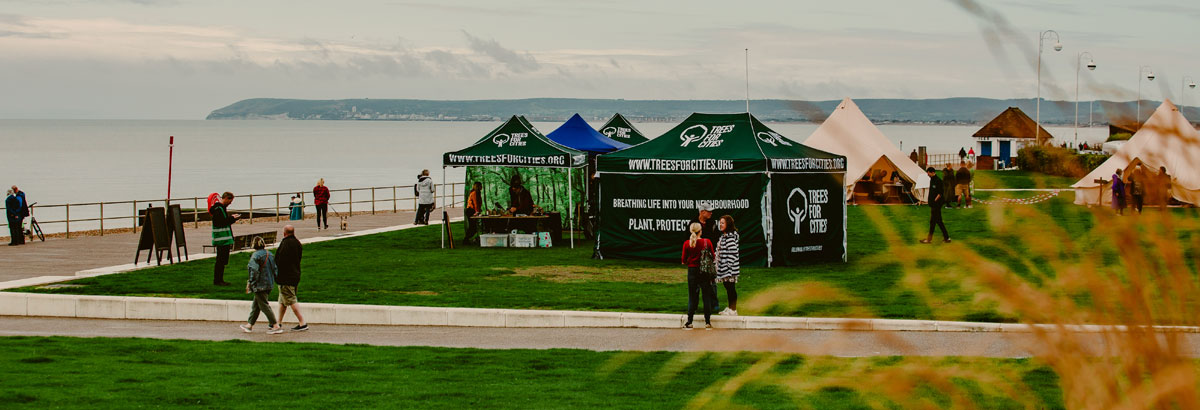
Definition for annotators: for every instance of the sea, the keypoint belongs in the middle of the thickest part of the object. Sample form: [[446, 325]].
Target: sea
[[87, 161]]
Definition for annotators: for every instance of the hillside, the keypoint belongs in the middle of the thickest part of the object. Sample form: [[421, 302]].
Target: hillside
[[930, 111]]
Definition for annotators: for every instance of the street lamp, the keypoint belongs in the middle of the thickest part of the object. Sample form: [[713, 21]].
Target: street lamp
[[1045, 35], [1091, 65], [1150, 76], [1186, 82]]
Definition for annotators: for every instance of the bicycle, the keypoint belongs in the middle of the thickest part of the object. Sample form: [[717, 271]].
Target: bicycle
[[34, 228]]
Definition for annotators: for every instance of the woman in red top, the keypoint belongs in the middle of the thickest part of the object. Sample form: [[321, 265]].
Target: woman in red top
[[697, 281], [321, 200]]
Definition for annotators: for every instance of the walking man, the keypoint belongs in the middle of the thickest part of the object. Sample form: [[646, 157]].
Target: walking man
[[425, 199], [12, 209], [287, 259], [962, 179], [936, 197], [474, 207], [222, 235]]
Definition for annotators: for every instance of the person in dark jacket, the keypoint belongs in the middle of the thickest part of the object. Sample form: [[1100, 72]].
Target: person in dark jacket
[[708, 230], [222, 235], [287, 259], [949, 181], [962, 188], [520, 200], [937, 190], [1118, 192], [12, 209], [1137, 187], [321, 202], [699, 284]]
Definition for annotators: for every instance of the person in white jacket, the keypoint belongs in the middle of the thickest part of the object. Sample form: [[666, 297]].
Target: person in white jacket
[[425, 197]]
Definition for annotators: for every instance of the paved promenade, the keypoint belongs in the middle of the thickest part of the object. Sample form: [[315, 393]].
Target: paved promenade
[[65, 257]]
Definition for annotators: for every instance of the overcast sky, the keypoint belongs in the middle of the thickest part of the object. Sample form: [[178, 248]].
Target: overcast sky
[[143, 59]]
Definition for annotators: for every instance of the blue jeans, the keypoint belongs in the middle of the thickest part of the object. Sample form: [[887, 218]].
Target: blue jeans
[[700, 285]]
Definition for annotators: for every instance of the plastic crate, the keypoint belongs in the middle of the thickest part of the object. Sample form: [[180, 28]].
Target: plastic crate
[[493, 240], [518, 240]]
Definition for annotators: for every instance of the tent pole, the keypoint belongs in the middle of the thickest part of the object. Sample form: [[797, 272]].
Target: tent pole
[[443, 203], [571, 205]]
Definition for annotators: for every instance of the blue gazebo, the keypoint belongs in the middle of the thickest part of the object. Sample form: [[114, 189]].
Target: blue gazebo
[[576, 133]]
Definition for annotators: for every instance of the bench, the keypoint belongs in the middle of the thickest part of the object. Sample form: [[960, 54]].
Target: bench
[[246, 241]]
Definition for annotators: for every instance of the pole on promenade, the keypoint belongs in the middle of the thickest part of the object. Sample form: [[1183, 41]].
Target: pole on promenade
[[170, 166]]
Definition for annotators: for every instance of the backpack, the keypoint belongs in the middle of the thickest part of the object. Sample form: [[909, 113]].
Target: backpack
[[212, 199], [708, 264]]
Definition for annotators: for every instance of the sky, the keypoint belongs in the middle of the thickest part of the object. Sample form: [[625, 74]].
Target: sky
[[181, 59]]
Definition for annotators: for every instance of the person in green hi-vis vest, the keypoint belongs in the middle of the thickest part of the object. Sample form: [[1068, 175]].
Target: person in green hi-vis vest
[[222, 235]]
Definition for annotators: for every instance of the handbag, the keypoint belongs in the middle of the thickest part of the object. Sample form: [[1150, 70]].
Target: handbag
[[708, 264]]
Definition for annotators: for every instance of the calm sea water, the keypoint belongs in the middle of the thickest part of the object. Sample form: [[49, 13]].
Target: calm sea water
[[61, 161]]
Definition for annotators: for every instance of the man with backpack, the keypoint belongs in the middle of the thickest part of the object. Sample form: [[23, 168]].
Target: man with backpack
[[222, 233]]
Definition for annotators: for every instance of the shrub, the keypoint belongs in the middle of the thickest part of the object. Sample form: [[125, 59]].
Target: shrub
[[1057, 161]]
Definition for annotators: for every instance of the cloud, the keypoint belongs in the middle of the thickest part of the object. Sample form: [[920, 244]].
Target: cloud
[[517, 62]]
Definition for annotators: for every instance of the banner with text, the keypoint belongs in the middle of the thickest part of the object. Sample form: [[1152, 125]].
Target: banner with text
[[808, 215], [647, 216]]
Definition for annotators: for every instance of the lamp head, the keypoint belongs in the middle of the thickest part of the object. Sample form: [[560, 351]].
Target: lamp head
[[1150, 77], [1091, 65], [1058, 46], [1192, 84]]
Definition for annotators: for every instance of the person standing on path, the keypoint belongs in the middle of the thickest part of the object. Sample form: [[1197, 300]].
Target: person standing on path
[[936, 188], [297, 205], [729, 262], [962, 155], [962, 179], [1118, 192], [949, 180], [321, 202], [262, 271], [1164, 187], [287, 259], [222, 235], [12, 209], [474, 207], [425, 197], [695, 250], [708, 230], [913, 156], [1137, 187]]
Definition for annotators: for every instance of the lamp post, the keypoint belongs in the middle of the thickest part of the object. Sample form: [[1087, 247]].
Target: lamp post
[[1185, 84], [1057, 47], [1091, 65], [1150, 76]]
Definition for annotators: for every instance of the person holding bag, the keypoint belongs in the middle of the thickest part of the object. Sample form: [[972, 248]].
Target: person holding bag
[[702, 268], [262, 269]]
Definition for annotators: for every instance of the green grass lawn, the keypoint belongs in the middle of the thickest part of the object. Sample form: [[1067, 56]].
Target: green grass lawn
[[40, 372], [1020, 180]]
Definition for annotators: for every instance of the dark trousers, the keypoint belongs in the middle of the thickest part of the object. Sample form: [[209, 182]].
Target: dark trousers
[[261, 305], [935, 219], [472, 224], [423, 211], [731, 294], [15, 232], [222, 260], [1137, 203], [700, 285], [322, 215]]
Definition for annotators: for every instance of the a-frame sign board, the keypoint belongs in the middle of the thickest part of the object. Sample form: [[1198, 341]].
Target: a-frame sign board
[[175, 224], [156, 236]]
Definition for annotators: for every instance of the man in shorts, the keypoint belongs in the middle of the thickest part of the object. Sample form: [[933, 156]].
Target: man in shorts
[[962, 187], [287, 258]]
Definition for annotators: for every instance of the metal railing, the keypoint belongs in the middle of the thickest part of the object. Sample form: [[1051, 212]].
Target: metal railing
[[100, 216], [940, 160]]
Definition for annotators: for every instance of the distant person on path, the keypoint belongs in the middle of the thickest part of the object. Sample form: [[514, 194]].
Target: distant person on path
[[1137, 187], [1118, 192], [287, 260], [24, 201], [695, 250], [962, 155], [425, 197], [936, 190], [12, 209], [950, 182], [262, 279], [222, 235], [708, 230], [729, 262], [962, 179], [1164, 187], [971, 153], [520, 201], [474, 207], [297, 205], [913, 156], [321, 201]]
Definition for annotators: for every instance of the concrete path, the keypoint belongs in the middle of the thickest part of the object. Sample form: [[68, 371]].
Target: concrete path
[[809, 342], [65, 257]]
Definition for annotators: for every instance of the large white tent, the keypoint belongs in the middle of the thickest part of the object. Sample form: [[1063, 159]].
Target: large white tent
[[1168, 140], [849, 132]]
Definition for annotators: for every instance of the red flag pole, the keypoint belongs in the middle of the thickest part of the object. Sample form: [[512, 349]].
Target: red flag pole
[[170, 165]]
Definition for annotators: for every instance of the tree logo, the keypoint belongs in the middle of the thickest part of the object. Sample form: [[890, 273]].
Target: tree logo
[[709, 138], [615, 132], [517, 139], [797, 203], [773, 138], [500, 140]]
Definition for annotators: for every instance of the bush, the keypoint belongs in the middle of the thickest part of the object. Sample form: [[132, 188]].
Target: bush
[[1057, 161]]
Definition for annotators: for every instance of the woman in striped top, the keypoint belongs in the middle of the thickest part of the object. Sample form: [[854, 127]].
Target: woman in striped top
[[729, 262]]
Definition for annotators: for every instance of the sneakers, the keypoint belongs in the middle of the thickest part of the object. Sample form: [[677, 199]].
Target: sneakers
[[946, 241], [300, 328], [926, 241], [728, 312], [708, 326], [275, 330], [246, 327], [687, 326]]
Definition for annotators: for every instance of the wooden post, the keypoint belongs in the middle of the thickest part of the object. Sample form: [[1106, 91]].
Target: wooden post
[[252, 209], [350, 203], [196, 212], [277, 207], [68, 206], [372, 200], [134, 216], [1103, 183], [393, 199], [101, 219]]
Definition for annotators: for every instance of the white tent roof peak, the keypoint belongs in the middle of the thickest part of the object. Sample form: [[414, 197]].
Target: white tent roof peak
[[849, 132]]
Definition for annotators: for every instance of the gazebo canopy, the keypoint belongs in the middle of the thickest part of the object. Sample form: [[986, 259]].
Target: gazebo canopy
[[515, 143], [620, 129], [578, 134]]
